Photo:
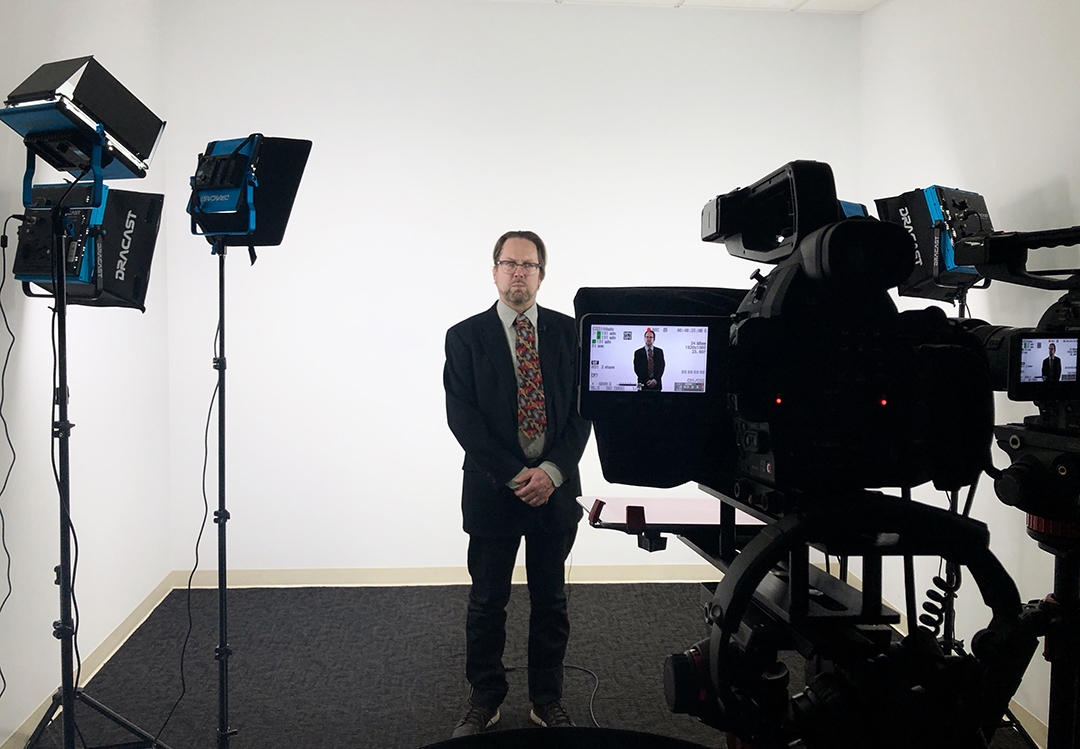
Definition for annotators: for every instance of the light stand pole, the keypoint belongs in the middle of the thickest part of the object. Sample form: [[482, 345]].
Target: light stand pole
[[1063, 729], [1062, 641], [221, 517], [61, 430]]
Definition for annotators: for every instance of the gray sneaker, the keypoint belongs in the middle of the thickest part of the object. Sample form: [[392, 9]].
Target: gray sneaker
[[476, 720], [552, 715]]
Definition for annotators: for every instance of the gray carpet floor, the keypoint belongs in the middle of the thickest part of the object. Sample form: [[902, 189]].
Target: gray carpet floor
[[384, 667]]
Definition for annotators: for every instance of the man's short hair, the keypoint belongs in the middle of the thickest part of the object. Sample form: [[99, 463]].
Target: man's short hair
[[541, 251]]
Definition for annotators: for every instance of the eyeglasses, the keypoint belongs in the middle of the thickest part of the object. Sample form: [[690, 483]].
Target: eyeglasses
[[509, 267]]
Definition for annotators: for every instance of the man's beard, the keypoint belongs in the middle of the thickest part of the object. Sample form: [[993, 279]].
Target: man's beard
[[519, 296]]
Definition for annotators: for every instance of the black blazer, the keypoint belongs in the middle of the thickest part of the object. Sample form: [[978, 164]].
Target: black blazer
[[641, 366], [481, 409], [1051, 370]]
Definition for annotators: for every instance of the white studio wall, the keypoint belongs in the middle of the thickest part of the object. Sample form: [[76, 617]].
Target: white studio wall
[[437, 126]]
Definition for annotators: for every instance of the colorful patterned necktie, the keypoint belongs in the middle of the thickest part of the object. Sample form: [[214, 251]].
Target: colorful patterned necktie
[[650, 364], [532, 415]]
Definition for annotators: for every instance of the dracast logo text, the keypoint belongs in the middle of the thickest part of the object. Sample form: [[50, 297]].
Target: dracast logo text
[[213, 198], [125, 245], [905, 216]]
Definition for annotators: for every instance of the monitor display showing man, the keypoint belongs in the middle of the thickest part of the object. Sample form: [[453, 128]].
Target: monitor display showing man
[[649, 363], [1048, 360], [619, 358]]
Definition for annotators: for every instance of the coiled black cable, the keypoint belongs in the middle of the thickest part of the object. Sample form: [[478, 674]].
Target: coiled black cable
[[941, 601]]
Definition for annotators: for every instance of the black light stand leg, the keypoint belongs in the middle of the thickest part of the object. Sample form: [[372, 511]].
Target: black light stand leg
[[1011, 721], [1063, 728], [64, 629], [46, 719], [146, 739], [221, 517]]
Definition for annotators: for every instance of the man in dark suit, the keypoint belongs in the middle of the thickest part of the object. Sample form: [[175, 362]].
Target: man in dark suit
[[649, 363], [1051, 368], [509, 380]]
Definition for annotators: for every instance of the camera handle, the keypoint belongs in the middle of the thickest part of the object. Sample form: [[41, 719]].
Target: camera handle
[[1002, 256]]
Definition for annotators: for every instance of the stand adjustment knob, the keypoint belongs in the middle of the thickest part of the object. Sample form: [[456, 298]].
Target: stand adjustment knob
[[1020, 482]]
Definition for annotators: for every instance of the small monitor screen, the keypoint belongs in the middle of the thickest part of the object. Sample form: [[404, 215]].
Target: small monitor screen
[[1048, 359], [661, 357]]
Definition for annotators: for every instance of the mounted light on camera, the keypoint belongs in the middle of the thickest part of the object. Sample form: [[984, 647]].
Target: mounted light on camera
[[78, 118], [938, 219], [243, 190]]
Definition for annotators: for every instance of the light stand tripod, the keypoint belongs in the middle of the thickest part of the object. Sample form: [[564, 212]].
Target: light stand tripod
[[54, 112], [64, 629], [1064, 672], [221, 517], [1062, 648], [236, 181], [1040, 481]]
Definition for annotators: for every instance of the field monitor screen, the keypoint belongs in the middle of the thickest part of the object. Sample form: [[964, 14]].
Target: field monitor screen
[[628, 357]]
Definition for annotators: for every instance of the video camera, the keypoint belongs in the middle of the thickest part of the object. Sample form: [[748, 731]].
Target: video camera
[[813, 383], [797, 401]]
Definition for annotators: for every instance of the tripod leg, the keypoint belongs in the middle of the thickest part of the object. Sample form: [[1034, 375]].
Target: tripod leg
[[46, 719], [147, 740], [1017, 726], [119, 720]]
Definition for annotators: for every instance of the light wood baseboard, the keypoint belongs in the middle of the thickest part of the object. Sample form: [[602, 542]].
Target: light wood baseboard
[[413, 576]]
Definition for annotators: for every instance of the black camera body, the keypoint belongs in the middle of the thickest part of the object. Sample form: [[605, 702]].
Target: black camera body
[[825, 400]]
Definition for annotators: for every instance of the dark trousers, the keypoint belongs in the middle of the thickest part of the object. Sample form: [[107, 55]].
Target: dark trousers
[[491, 565]]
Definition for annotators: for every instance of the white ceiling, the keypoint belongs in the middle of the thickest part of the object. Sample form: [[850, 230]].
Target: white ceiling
[[818, 6]]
